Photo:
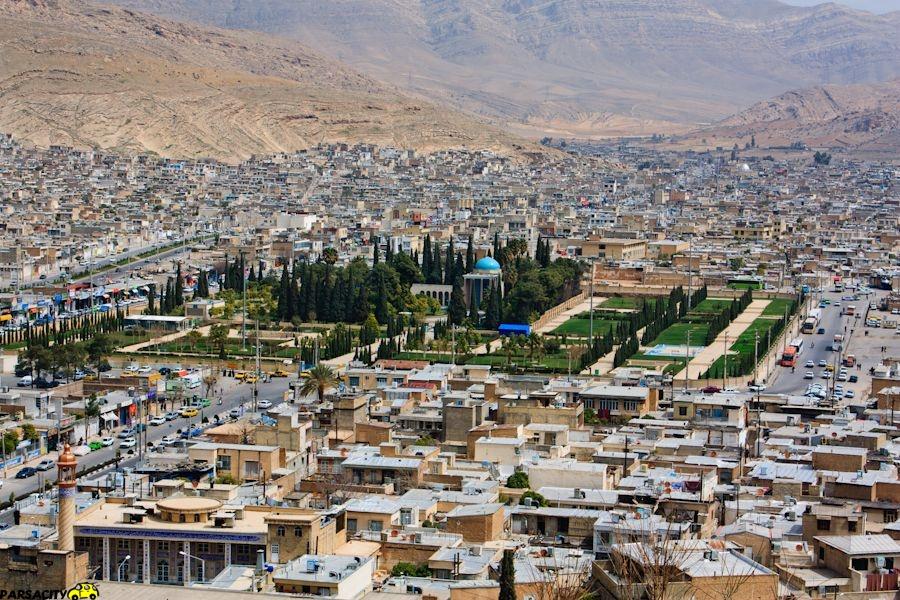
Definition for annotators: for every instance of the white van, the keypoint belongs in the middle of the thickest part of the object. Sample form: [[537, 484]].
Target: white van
[[26, 381]]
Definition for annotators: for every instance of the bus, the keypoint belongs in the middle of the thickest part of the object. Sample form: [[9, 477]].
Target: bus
[[812, 321], [791, 353]]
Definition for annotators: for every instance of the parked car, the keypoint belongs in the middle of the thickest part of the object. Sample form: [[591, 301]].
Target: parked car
[[167, 440], [26, 472], [171, 416], [809, 375], [757, 387], [160, 420], [809, 364], [26, 381], [821, 330], [45, 465], [711, 389], [43, 384], [95, 445], [192, 432], [128, 443], [854, 378], [107, 441], [126, 433], [234, 413], [22, 370], [264, 404], [189, 411]]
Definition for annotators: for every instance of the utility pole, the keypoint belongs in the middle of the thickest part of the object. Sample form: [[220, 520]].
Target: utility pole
[[690, 268], [244, 302], [725, 355], [453, 344], [756, 381], [591, 335], [256, 383], [688, 361]]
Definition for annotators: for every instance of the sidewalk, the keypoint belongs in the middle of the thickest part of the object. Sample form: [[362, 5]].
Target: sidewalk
[[701, 361]]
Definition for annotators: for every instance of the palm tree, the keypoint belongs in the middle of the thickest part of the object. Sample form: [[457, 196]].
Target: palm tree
[[318, 379]]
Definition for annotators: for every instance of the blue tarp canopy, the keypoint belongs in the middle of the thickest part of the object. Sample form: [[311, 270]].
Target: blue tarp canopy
[[514, 329]]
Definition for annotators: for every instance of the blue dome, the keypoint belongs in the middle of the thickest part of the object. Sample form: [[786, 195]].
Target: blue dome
[[487, 264]]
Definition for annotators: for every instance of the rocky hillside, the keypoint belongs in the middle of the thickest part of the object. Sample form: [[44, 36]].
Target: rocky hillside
[[580, 67], [87, 75], [860, 117]]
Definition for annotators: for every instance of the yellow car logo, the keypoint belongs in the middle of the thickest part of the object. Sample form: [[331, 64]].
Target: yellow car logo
[[83, 590]]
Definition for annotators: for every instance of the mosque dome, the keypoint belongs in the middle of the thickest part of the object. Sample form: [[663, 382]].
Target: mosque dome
[[487, 264]]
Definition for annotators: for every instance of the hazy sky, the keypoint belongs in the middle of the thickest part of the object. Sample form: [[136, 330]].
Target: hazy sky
[[876, 6]]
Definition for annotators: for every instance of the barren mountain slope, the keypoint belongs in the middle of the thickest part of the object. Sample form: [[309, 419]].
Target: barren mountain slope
[[74, 73], [861, 117], [580, 66]]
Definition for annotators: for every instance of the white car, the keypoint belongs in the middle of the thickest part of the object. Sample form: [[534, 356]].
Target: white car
[[849, 394], [757, 387], [826, 374], [264, 404], [158, 420], [144, 370], [809, 375], [167, 440], [810, 364], [45, 465], [128, 443]]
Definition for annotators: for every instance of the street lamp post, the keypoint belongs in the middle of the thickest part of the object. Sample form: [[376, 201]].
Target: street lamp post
[[187, 571], [122, 564]]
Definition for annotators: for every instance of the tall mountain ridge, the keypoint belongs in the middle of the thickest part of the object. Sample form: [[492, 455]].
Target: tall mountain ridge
[[87, 75], [579, 67]]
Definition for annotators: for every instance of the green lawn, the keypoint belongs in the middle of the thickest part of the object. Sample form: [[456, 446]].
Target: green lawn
[[582, 327], [622, 302], [777, 307], [745, 286], [677, 333], [233, 347], [746, 342], [711, 306]]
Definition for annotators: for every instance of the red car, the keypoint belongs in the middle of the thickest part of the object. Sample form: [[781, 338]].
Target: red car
[[710, 389]]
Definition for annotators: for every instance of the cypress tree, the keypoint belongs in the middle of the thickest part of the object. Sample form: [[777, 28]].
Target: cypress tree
[[449, 279], [179, 287], [456, 312], [426, 257], [470, 255], [375, 258], [507, 577]]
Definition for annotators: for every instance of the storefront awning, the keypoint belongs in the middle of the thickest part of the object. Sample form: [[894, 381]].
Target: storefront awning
[[109, 417]]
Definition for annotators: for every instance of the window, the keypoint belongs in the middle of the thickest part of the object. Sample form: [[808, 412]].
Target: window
[[298, 532], [203, 547], [122, 544], [162, 546], [274, 552], [223, 463], [181, 518], [860, 564], [162, 570], [375, 525], [354, 382], [682, 411], [851, 526], [280, 531], [890, 516], [821, 553], [351, 525], [823, 524]]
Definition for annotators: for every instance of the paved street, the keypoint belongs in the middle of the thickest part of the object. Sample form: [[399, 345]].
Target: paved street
[[816, 348], [234, 394]]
